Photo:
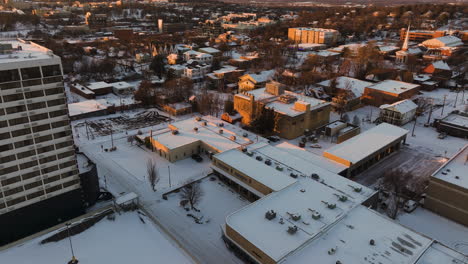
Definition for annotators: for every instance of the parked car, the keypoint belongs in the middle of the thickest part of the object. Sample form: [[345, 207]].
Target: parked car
[[442, 135], [410, 206], [197, 158], [274, 138]]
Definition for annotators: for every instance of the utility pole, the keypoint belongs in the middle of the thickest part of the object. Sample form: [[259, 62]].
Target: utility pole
[[169, 169], [112, 139], [443, 105], [430, 114], [414, 126], [151, 140], [73, 260], [456, 98], [86, 127]]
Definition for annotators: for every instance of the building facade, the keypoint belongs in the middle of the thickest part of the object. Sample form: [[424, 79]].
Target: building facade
[[39, 178], [313, 35]]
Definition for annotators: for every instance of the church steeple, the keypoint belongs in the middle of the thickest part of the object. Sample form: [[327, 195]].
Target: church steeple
[[405, 44]]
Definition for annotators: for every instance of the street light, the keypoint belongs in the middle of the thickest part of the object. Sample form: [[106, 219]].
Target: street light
[[73, 260]]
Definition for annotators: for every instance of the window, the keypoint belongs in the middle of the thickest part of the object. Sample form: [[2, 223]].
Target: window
[[26, 154], [56, 102], [59, 124], [57, 113], [15, 109], [70, 183], [35, 106], [52, 179], [3, 124], [66, 154], [5, 135], [50, 169], [6, 147], [48, 159], [30, 175], [62, 134], [34, 94], [53, 91], [13, 97], [28, 164], [16, 201], [43, 139], [34, 195], [63, 144], [8, 170], [51, 70], [11, 181], [53, 189], [67, 164], [31, 73], [23, 143], [9, 76], [21, 132], [7, 159], [32, 185], [41, 128], [13, 191], [45, 149], [18, 121], [39, 117]]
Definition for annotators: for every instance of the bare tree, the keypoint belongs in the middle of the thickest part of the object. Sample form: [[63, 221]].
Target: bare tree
[[401, 186], [192, 193], [152, 172]]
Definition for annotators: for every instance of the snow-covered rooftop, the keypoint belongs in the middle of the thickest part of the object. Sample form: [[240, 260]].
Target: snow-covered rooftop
[[457, 119], [441, 65], [209, 50], [302, 199], [349, 242], [266, 175], [121, 85], [361, 146], [86, 107], [403, 106], [262, 76], [98, 85], [355, 85], [447, 41], [25, 51], [392, 86], [455, 171], [208, 134], [438, 253]]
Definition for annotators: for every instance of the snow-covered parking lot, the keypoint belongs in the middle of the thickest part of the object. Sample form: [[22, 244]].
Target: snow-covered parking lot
[[121, 241]]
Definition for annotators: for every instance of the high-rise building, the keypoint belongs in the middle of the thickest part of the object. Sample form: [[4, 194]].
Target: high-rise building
[[39, 177], [313, 35]]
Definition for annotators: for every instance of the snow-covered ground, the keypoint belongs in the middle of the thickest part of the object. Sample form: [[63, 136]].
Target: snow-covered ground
[[125, 240], [437, 227]]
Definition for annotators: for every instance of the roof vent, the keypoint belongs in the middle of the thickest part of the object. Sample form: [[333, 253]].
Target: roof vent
[[175, 132], [220, 131], [233, 138], [332, 251], [292, 230], [295, 217], [270, 215], [195, 129], [372, 242]]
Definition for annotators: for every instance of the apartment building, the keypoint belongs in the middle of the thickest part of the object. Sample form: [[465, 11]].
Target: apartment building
[[313, 35], [420, 35], [39, 177]]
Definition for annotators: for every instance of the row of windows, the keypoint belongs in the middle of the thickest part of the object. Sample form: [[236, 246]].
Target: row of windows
[[36, 173], [33, 118], [38, 193], [27, 131], [33, 163], [31, 95], [30, 73]]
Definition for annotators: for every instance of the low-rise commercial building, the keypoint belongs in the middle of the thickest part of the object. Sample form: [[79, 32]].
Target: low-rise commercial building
[[368, 148], [454, 124], [447, 192], [389, 92]]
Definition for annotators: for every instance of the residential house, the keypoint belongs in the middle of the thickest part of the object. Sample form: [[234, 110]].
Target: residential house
[[350, 88], [389, 92], [251, 81], [398, 113]]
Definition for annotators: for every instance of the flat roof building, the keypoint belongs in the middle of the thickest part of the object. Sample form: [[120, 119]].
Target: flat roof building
[[313, 35], [389, 92], [367, 148], [447, 192]]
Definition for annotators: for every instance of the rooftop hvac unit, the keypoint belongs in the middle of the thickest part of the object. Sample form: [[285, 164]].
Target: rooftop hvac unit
[[292, 229], [270, 215], [233, 138], [198, 118], [221, 124], [220, 131], [195, 129], [175, 132]]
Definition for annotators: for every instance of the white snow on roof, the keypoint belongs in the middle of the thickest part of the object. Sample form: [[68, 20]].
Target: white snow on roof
[[456, 166], [392, 86], [403, 106], [438, 253], [441, 65], [272, 237], [456, 119], [126, 198], [86, 107], [361, 146], [209, 50], [82, 88], [355, 85], [350, 239], [208, 134], [447, 41], [257, 170], [312, 158], [421, 77], [98, 85], [29, 51], [121, 85], [262, 76]]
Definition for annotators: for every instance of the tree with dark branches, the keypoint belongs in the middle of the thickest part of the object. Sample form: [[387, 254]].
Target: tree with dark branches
[[152, 172], [193, 193]]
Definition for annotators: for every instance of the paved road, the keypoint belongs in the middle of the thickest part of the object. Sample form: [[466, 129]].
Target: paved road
[[204, 247]]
